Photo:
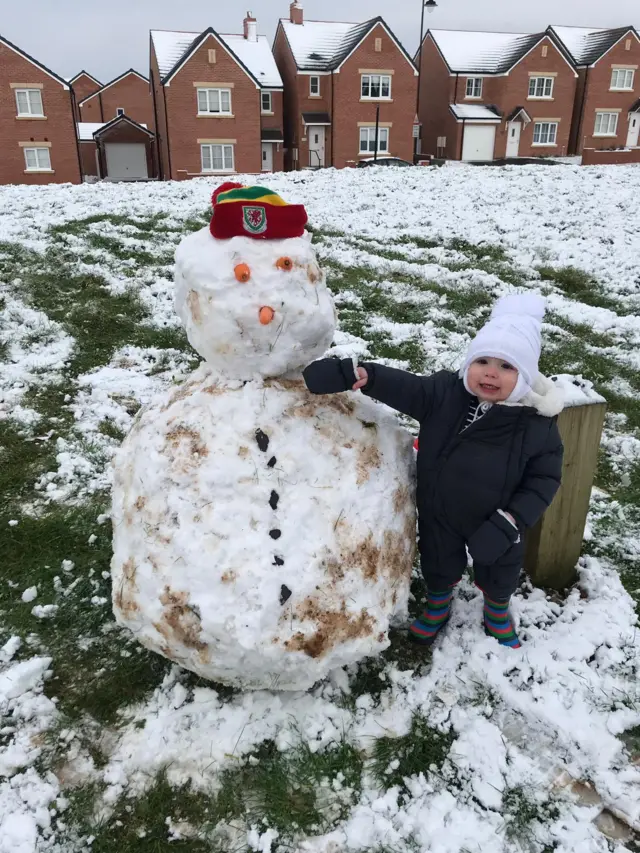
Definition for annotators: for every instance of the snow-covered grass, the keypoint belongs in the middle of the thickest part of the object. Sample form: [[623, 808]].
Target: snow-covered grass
[[106, 746]]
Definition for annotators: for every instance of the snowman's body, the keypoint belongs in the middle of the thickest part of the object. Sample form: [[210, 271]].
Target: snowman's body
[[262, 536]]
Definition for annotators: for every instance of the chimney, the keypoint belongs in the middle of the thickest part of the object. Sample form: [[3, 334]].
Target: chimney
[[297, 13], [250, 28]]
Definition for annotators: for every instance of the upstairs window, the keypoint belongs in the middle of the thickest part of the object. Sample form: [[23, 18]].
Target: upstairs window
[[314, 87], [622, 79], [214, 102], [29, 102], [474, 87], [267, 106], [541, 87], [376, 86]]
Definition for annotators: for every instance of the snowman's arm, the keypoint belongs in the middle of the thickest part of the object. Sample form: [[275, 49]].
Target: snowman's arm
[[403, 391]]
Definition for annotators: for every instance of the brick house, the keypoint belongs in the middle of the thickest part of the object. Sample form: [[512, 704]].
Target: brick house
[[217, 101], [37, 128], [485, 96], [83, 85], [336, 75], [118, 150], [129, 94], [607, 105]]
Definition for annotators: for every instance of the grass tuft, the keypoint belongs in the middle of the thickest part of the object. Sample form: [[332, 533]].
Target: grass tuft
[[522, 813], [422, 750]]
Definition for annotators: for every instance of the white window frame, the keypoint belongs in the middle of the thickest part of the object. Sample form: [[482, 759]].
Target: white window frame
[[120, 111], [263, 95], [316, 78], [547, 135], [370, 141], [30, 95], [41, 159], [474, 88], [366, 82], [609, 121], [227, 155], [541, 83], [211, 94], [628, 75]]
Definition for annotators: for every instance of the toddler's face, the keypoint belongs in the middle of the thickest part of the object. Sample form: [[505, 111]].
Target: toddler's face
[[492, 379]]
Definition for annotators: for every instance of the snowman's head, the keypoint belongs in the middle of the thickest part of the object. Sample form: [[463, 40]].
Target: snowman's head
[[253, 304]]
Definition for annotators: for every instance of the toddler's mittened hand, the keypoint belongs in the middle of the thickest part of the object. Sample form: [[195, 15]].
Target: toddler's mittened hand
[[329, 376], [493, 539]]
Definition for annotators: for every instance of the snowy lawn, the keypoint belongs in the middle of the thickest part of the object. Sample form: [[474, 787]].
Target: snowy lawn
[[104, 746]]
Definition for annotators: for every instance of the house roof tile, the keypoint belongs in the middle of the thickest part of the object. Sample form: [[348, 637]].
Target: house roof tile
[[324, 45], [586, 45], [483, 53], [475, 112], [171, 47]]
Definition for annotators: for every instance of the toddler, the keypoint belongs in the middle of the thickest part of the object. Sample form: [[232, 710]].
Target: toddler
[[489, 457]]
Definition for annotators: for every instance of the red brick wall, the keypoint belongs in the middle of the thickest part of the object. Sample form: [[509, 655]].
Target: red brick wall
[[161, 116], [437, 92], [58, 127], [596, 157], [515, 93], [131, 93], [185, 127], [599, 97], [88, 158], [349, 110], [82, 88], [291, 105], [275, 122]]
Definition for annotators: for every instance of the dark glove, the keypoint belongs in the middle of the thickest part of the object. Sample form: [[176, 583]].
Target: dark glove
[[492, 540], [330, 376]]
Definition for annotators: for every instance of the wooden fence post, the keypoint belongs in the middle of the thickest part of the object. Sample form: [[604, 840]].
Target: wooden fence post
[[553, 546]]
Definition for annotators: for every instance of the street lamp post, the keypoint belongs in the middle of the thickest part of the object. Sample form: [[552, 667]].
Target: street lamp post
[[430, 6]]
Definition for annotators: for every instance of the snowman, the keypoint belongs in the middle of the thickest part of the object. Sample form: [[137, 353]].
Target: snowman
[[263, 536]]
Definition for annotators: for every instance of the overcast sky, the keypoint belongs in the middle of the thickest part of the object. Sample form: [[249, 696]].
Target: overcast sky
[[108, 36]]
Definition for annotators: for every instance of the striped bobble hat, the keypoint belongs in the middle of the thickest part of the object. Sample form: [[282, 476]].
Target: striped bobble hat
[[254, 212]]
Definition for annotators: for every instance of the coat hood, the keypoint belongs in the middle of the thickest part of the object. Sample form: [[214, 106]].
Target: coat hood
[[545, 397]]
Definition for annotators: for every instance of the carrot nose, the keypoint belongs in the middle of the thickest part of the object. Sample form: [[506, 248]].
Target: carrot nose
[[266, 315]]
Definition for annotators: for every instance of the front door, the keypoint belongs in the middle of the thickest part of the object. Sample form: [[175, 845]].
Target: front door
[[267, 156], [315, 135], [634, 130], [513, 139]]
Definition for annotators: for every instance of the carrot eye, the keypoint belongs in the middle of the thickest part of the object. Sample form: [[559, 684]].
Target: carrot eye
[[284, 264], [243, 273]]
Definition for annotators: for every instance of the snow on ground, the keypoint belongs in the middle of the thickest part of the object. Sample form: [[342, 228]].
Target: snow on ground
[[550, 718]]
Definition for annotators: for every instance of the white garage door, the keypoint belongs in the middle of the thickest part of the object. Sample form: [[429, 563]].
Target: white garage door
[[126, 160], [479, 142]]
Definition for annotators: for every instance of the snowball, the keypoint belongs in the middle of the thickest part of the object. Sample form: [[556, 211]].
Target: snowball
[[222, 315], [263, 536], [30, 594]]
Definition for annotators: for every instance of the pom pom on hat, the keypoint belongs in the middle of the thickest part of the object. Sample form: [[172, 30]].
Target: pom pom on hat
[[254, 212], [514, 334]]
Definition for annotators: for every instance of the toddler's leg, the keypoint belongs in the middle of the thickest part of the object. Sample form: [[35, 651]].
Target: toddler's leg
[[498, 583], [425, 629], [498, 622], [443, 559]]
